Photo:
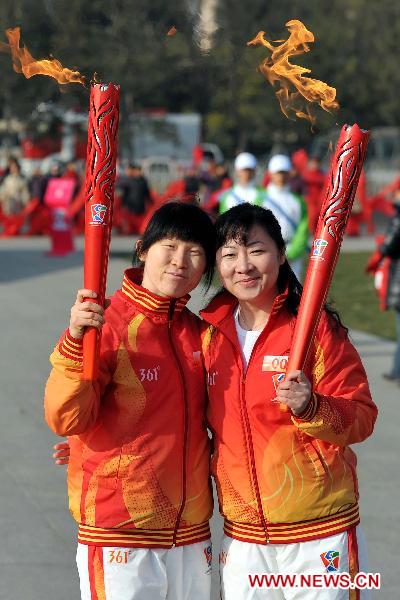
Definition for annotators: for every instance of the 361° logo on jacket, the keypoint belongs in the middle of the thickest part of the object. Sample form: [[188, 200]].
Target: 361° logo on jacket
[[211, 377], [151, 374]]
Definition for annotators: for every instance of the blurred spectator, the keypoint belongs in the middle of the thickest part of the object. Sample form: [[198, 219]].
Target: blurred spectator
[[185, 189], [358, 209], [55, 170], [191, 185], [37, 184], [134, 190], [212, 206], [300, 160], [210, 180], [314, 179], [289, 209], [390, 250], [245, 188], [296, 182], [225, 180], [14, 193], [71, 172]]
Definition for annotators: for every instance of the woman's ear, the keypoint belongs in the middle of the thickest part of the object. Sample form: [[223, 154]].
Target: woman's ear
[[141, 256], [282, 258]]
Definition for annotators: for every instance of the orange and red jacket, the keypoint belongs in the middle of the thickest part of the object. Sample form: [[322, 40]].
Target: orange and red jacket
[[138, 473], [280, 478]]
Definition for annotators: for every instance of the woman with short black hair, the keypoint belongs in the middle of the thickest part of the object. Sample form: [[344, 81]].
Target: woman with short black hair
[[138, 473]]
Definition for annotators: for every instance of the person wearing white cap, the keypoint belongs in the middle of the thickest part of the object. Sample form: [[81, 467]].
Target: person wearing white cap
[[289, 209], [245, 188]]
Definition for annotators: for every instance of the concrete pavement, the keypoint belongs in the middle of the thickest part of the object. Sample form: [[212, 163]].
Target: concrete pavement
[[37, 534]]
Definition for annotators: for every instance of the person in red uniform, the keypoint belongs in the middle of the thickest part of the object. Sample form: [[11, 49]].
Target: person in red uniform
[[138, 475], [282, 462], [314, 179]]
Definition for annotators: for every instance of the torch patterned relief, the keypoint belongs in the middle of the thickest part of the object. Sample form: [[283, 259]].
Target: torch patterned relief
[[101, 152], [343, 180], [99, 196]]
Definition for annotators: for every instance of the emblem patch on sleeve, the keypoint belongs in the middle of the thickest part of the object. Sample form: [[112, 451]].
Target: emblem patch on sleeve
[[277, 378]]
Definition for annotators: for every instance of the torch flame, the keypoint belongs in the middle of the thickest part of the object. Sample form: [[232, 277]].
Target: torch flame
[[297, 92], [23, 62]]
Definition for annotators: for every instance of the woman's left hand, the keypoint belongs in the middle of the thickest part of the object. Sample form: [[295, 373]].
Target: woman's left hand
[[294, 391]]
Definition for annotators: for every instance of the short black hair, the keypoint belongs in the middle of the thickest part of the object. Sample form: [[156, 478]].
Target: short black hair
[[186, 222], [236, 223]]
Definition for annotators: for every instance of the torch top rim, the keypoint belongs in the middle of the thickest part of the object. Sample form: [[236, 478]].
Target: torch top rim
[[347, 127], [104, 86]]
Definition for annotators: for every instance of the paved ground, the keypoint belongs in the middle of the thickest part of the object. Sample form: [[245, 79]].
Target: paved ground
[[37, 535]]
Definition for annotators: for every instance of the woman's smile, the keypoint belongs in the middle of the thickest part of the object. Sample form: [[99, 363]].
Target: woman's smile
[[248, 282]]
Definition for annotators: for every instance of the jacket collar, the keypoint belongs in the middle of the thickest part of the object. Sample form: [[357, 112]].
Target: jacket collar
[[148, 303], [222, 306]]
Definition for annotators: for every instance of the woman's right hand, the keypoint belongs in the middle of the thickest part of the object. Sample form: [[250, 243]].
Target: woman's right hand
[[61, 453], [85, 313]]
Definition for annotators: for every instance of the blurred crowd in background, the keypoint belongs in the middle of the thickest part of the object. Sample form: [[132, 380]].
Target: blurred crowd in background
[[25, 200], [292, 186]]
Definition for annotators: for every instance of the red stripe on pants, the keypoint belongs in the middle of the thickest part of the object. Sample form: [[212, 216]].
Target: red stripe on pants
[[96, 573], [354, 566]]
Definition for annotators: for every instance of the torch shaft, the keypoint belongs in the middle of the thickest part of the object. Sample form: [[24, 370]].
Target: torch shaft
[[99, 196], [342, 184]]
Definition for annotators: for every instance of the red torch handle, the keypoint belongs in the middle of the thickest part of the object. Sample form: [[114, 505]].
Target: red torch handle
[[99, 196], [342, 184]]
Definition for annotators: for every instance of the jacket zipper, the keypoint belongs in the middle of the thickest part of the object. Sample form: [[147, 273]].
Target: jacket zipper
[[185, 422], [250, 440]]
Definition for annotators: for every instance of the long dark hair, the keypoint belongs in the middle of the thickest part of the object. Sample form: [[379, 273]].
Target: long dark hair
[[186, 222], [236, 223]]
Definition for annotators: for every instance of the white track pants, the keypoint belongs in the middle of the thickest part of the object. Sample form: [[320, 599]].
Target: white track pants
[[239, 559], [182, 573]]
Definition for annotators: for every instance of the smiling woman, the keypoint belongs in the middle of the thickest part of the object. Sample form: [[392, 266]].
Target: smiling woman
[[250, 271], [176, 247], [286, 476], [138, 472]]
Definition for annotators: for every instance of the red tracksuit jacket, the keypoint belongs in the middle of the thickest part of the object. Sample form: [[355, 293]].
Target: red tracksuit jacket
[[139, 467]]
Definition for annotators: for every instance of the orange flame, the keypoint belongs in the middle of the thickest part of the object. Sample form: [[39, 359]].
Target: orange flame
[[23, 62], [297, 92]]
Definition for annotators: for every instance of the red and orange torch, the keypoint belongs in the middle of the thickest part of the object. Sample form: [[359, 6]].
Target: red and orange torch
[[100, 174], [297, 92], [99, 196], [342, 184]]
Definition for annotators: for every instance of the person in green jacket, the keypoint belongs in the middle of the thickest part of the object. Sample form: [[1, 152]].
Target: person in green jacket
[[245, 188], [290, 211]]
